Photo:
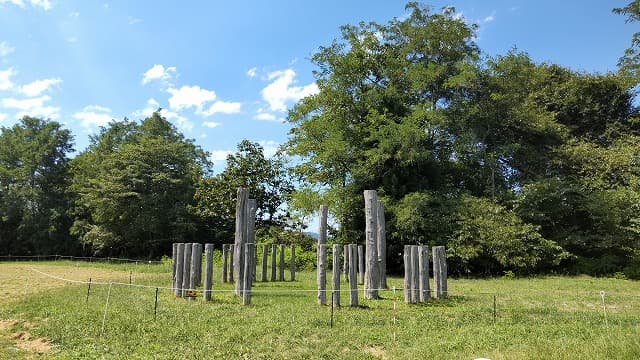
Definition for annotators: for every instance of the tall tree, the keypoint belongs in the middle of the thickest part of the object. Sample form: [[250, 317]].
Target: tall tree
[[33, 179], [629, 63]]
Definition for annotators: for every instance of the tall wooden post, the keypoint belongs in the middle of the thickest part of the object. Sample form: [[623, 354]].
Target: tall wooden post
[[247, 273], [360, 264], [292, 262], [415, 281], [440, 271], [174, 252], [408, 274], [372, 271], [382, 246], [177, 287], [225, 262], [265, 253], [335, 276], [186, 269], [251, 233], [274, 257], [322, 256], [353, 280], [423, 264], [240, 238], [281, 264], [193, 278], [196, 255], [231, 259], [208, 271]]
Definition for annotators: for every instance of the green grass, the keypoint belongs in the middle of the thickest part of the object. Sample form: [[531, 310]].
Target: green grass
[[537, 318]]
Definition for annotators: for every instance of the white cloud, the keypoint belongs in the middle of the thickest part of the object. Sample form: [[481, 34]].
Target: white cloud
[[152, 105], [158, 72], [32, 107], [190, 96], [280, 91], [6, 49], [488, 19], [74, 14], [94, 115], [223, 107], [44, 4], [252, 72], [265, 116], [269, 147], [37, 87], [3, 116], [133, 20], [5, 79], [219, 155], [211, 124]]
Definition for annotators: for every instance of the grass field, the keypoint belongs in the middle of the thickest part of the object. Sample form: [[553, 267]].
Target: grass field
[[537, 318]]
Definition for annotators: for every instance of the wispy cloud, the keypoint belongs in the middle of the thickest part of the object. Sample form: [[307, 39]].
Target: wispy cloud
[[211, 124], [5, 79], [32, 107], [6, 49], [190, 97], [37, 87], [159, 72], [281, 91], [74, 14], [93, 116], [253, 72], [43, 4], [153, 105], [261, 114], [488, 19], [223, 107], [133, 20]]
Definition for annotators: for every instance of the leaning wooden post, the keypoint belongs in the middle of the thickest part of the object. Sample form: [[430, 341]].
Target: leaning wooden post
[[335, 276], [440, 271], [353, 279], [231, 259], [322, 256], [360, 264], [345, 262], [186, 269], [423, 266], [240, 238], [292, 262], [408, 276], [265, 254], [281, 264], [415, 278], [208, 271], [382, 245], [177, 286], [225, 261], [274, 257], [247, 273], [372, 271]]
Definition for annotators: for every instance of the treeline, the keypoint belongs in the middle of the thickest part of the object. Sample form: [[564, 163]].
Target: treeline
[[513, 165]]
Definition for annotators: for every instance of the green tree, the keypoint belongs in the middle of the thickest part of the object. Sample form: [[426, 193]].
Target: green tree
[[629, 63], [33, 178]]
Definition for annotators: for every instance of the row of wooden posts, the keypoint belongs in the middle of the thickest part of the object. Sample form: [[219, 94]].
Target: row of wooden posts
[[277, 267]]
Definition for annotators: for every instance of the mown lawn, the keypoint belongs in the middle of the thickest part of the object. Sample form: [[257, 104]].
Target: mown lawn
[[536, 318]]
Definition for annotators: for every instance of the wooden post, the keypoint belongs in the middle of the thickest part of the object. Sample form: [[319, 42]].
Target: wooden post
[[174, 252], [246, 283], [281, 264], [353, 279], [225, 261], [274, 256], [208, 271], [240, 238], [186, 269], [408, 276], [335, 276], [179, 267], [322, 256], [440, 271], [415, 278], [292, 262], [197, 258], [251, 233], [345, 266], [382, 246], [360, 264], [193, 278], [231, 259], [265, 253], [423, 265], [372, 271]]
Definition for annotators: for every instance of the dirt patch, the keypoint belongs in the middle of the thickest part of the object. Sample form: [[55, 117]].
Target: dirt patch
[[377, 352], [25, 342], [7, 324]]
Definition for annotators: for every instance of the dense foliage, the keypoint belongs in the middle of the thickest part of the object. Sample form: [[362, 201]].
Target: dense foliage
[[513, 165]]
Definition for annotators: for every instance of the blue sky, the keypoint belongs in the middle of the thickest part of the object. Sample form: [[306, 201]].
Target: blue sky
[[228, 70]]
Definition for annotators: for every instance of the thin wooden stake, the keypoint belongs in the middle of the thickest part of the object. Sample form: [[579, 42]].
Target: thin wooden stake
[[88, 290], [155, 306]]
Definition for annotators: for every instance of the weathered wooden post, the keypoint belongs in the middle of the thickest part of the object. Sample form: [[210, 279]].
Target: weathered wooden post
[[353, 280], [196, 255], [335, 276], [408, 276], [440, 271], [281, 264], [382, 246], [265, 253], [240, 238], [292, 262], [274, 257], [193, 278], [186, 270], [423, 265], [174, 252], [372, 271], [231, 259], [247, 273], [177, 286], [415, 281], [225, 261], [345, 266], [322, 256], [360, 264], [251, 233], [208, 271]]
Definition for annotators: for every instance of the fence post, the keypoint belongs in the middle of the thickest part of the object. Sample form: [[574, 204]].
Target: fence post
[[246, 283], [186, 269], [265, 253], [353, 280], [335, 276], [360, 264], [415, 278], [372, 271], [322, 256], [408, 276], [193, 278], [208, 272], [440, 271], [423, 265], [177, 284]]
